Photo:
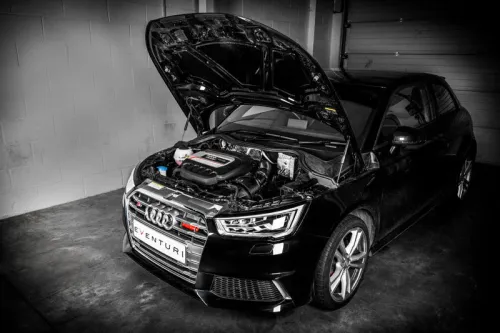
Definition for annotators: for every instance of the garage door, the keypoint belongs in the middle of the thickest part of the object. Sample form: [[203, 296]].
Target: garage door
[[452, 39]]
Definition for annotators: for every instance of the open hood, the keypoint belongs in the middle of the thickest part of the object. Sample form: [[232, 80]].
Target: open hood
[[212, 60]]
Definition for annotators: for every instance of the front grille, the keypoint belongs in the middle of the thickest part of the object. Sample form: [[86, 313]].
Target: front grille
[[194, 241], [245, 289], [138, 203]]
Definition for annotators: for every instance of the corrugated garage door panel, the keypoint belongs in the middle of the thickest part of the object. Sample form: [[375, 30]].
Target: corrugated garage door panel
[[447, 38], [483, 107], [431, 63], [487, 141], [458, 74], [382, 10], [483, 101], [421, 37]]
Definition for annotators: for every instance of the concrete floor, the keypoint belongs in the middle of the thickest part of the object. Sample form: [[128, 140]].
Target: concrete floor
[[62, 270]]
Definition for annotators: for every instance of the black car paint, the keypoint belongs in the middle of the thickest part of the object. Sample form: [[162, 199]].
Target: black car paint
[[229, 256], [408, 183], [391, 196], [173, 35], [414, 178]]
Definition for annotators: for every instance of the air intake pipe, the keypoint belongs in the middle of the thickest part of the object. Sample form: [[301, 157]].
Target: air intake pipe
[[250, 184]]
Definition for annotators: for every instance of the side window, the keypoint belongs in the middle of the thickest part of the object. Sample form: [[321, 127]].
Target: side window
[[411, 106], [444, 100], [408, 106]]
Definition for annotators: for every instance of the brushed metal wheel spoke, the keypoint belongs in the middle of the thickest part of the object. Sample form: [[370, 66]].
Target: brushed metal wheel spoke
[[345, 284], [357, 265], [467, 167], [335, 278], [464, 180], [338, 255], [342, 248], [357, 257], [354, 241]]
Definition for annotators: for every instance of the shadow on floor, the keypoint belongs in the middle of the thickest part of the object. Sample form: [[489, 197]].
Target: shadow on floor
[[62, 270]]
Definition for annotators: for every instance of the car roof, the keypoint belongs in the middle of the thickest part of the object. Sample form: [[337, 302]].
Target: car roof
[[382, 79]]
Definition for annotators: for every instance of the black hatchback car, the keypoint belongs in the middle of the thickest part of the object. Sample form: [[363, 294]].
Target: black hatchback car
[[296, 177]]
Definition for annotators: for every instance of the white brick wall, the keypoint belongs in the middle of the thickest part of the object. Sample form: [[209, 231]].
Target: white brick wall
[[80, 102], [327, 34], [287, 16]]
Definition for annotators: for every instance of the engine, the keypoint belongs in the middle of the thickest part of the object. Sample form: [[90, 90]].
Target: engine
[[226, 173], [210, 167], [221, 171]]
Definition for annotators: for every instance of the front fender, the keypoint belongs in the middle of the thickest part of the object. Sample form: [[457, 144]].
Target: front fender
[[328, 210]]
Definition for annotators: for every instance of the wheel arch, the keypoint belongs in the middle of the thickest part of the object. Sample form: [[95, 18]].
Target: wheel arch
[[367, 215], [462, 132]]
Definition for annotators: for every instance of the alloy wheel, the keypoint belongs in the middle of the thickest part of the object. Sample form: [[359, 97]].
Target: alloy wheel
[[464, 179], [348, 264]]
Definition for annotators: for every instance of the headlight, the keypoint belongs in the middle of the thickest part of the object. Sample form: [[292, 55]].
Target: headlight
[[275, 224], [130, 182]]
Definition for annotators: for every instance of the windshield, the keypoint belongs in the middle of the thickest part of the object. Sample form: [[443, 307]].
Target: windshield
[[275, 121], [358, 102]]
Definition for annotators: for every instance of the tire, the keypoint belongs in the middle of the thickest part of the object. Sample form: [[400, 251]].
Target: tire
[[333, 264]]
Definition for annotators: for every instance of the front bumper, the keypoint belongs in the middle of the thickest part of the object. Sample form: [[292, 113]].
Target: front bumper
[[289, 271]]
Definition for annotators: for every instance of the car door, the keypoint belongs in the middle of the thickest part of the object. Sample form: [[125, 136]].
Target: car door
[[403, 170], [448, 141]]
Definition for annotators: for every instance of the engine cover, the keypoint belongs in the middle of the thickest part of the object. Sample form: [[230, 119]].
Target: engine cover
[[210, 167]]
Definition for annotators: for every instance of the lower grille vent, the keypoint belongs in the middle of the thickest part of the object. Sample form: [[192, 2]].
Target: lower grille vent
[[245, 289]]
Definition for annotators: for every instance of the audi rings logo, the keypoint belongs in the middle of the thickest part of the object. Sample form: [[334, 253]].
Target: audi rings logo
[[161, 218]]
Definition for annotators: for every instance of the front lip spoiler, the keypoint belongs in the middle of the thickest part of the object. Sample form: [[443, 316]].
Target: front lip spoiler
[[205, 295], [211, 300]]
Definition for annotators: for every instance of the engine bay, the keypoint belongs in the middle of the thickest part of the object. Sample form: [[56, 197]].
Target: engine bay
[[226, 172]]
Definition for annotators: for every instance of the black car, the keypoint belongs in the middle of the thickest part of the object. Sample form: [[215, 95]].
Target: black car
[[296, 177]]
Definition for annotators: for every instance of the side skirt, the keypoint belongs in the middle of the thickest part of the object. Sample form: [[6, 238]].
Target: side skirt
[[396, 232]]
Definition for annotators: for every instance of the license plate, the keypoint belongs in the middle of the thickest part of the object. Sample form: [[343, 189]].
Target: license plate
[[166, 245]]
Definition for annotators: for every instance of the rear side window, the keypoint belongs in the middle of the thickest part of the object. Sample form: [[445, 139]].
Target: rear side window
[[444, 100]]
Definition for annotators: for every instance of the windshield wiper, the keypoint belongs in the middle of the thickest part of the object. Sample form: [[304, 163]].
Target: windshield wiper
[[281, 137], [322, 142], [261, 135]]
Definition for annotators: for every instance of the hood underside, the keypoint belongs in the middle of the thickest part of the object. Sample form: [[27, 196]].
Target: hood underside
[[214, 60]]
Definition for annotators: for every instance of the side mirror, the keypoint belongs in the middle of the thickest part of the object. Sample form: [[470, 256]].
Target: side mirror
[[408, 136]]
